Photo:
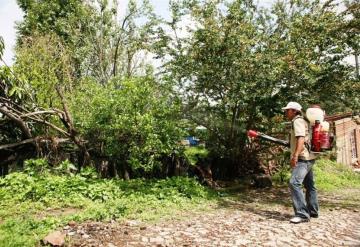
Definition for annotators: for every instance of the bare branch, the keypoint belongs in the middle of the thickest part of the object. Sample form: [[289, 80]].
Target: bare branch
[[38, 113], [31, 140], [17, 120]]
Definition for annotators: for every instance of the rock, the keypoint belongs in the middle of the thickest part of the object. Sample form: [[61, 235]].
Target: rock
[[132, 223], [86, 236], [144, 239], [55, 239], [72, 223], [262, 181], [156, 240]]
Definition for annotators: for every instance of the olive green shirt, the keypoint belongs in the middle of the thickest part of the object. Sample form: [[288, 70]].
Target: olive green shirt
[[300, 128]]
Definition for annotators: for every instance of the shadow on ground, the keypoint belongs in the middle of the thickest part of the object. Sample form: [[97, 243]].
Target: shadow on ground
[[275, 202]]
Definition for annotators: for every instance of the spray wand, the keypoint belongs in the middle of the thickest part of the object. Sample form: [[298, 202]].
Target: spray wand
[[255, 134]]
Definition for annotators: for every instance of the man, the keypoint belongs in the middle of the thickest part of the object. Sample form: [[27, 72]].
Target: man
[[302, 161]]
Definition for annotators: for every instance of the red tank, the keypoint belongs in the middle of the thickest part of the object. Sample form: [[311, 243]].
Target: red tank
[[315, 140], [325, 140]]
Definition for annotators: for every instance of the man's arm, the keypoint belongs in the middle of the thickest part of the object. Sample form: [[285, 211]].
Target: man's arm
[[300, 140]]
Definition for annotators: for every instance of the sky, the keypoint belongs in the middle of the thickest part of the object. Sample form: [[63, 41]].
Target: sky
[[10, 13]]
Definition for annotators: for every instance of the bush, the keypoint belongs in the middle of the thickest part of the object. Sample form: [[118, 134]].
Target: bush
[[132, 121], [193, 154], [24, 197]]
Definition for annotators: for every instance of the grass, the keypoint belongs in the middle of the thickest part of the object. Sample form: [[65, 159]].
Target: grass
[[329, 176], [37, 201]]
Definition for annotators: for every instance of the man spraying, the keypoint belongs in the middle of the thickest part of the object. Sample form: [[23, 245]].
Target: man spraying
[[302, 161]]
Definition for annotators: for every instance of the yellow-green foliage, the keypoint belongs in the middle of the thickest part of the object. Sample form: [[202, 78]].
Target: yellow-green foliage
[[194, 153], [331, 175]]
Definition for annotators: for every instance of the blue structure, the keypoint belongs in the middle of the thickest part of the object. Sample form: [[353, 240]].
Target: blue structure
[[192, 140]]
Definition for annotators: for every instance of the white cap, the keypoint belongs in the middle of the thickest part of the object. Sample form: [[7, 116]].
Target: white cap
[[293, 105]]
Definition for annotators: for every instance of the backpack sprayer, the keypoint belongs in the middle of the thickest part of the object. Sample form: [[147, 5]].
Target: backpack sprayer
[[320, 138]]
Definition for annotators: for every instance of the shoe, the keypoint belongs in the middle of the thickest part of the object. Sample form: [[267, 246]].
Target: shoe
[[314, 215], [297, 220]]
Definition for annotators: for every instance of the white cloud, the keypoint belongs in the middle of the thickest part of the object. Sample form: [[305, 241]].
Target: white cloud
[[9, 14]]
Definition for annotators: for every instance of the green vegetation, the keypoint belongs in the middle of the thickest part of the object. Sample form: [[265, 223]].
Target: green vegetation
[[85, 86], [193, 154], [329, 176], [38, 200]]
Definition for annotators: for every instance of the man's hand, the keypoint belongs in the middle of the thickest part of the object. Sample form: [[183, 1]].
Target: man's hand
[[294, 160]]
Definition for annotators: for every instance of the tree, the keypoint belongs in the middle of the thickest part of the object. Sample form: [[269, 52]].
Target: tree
[[240, 64], [2, 46], [101, 43]]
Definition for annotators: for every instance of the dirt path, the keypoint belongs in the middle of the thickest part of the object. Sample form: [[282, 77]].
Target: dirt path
[[255, 218]]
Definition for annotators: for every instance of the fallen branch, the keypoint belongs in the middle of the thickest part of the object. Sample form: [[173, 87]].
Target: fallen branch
[[17, 120], [32, 140], [38, 113]]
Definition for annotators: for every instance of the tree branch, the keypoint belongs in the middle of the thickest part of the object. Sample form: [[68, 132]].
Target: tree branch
[[17, 120], [31, 140]]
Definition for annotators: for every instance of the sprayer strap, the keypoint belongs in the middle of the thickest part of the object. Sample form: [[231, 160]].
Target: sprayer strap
[[307, 144]]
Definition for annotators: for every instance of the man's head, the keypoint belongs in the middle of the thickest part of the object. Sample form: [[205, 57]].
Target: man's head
[[292, 109]]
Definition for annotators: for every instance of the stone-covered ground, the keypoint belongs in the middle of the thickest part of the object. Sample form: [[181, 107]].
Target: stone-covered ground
[[251, 218]]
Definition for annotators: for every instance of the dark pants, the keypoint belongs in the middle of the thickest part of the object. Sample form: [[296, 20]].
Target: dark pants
[[302, 174]]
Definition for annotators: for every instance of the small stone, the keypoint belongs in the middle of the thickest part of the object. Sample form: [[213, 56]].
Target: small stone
[[71, 233], [156, 240], [72, 223], [66, 227], [356, 210], [132, 223], [86, 236], [55, 239], [143, 228]]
